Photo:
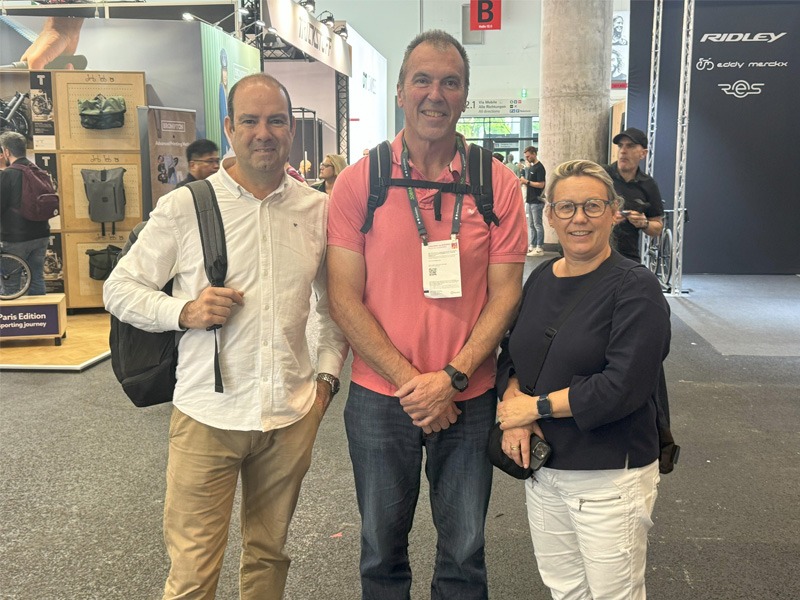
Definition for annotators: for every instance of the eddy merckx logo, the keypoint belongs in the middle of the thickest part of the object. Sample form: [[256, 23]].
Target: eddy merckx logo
[[741, 88], [742, 37]]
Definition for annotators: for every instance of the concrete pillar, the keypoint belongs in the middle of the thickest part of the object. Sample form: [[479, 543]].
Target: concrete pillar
[[575, 84]]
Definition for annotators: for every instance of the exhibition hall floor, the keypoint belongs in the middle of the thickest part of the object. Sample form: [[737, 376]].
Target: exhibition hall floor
[[85, 344], [83, 477]]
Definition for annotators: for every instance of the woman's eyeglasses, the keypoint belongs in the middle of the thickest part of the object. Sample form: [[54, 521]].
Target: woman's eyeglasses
[[324, 165], [566, 209]]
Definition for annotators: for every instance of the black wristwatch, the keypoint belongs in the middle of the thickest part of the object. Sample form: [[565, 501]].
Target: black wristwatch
[[458, 380], [330, 380], [545, 407]]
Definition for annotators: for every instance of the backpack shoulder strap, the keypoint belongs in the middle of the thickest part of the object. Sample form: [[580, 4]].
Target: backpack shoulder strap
[[380, 175], [215, 255], [480, 178], [212, 232]]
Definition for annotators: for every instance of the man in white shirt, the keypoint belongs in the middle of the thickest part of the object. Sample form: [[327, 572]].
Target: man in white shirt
[[264, 424]]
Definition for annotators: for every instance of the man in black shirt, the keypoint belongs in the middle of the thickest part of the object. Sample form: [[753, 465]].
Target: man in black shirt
[[643, 209], [19, 236], [203, 158], [534, 181]]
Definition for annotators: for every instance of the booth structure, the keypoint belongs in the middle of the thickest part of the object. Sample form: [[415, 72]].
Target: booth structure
[[188, 68]]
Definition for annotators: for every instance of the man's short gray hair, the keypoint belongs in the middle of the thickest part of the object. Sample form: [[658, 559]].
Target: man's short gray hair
[[440, 40], [14, 142]]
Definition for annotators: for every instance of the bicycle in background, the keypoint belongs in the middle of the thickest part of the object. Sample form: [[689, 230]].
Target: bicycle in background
[[657, 252], [15, 276]]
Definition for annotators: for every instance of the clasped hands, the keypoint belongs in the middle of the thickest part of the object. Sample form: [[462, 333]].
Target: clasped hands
[[517, 416], [428, 399]]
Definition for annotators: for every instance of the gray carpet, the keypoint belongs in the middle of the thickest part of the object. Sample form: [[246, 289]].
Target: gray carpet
[[83, 485], [747, 315]]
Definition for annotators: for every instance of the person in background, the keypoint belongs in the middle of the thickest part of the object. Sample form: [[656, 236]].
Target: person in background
[[203, 158], [329, 170], [509, 162], [424, 356], [590, 506], [534, 181], [19, 236], [643, 208], [262, 428], [293, 173]]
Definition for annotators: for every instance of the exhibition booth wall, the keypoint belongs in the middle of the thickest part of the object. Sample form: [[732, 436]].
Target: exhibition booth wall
[[742, 129]]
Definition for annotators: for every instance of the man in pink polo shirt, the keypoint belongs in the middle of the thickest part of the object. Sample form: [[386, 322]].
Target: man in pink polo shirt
[[424, 304]]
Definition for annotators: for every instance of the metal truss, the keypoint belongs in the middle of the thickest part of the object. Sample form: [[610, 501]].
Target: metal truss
[[652, 107], [343, 114], [680, 151]]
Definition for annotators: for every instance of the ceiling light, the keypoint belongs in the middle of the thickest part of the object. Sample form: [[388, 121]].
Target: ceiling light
[[326, 18], [309, 5]]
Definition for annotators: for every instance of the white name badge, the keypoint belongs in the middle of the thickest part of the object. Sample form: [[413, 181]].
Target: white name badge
[[441, 269]]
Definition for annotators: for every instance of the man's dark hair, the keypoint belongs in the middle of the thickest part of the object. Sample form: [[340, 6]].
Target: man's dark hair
[[266, 78], [200, 147], [533, 149], [14, 142], [440, 40], [498, 156]]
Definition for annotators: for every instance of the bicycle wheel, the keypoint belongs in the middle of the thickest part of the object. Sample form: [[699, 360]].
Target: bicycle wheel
[[651, 254], [15, 277], [665, 259]]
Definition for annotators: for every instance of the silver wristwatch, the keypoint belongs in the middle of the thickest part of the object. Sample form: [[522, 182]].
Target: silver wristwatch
[[330, 380]]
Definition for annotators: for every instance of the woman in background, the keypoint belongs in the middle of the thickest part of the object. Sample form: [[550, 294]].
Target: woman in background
[[329, 170]]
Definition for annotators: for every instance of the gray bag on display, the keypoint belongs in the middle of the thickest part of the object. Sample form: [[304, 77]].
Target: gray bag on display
[[105, 191]]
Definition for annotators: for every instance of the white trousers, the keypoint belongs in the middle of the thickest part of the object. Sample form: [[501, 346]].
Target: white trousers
[[589, 530]]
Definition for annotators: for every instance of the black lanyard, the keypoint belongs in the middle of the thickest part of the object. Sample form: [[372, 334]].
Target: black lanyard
[[412, 195]]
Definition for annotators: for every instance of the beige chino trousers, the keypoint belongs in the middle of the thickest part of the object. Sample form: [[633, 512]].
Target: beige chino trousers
[[202, 471]]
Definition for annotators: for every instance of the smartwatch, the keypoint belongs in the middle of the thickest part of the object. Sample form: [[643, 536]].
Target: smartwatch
[[458, 380], [545, 407], [330, 380]]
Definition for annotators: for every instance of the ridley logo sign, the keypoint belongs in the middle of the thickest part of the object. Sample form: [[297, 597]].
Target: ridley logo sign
[[742, 37], [741, 88]]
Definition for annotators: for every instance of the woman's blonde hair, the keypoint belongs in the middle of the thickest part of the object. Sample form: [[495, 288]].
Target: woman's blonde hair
[[581, 168], [338, 161]]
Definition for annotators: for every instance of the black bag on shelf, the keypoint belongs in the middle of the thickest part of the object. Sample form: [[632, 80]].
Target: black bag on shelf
[[101, 262], [102, 113]]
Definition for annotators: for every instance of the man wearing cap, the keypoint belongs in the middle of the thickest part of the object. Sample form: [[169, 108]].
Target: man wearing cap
[[643, 209]]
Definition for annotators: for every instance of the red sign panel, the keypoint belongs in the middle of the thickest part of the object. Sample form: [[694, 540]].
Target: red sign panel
[[484, 14]]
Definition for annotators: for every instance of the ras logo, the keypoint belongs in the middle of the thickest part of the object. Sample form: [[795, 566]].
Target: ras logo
[[741, 88], [742, 37]]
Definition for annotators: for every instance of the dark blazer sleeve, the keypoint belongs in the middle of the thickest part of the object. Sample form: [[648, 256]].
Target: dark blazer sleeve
[[638, 343]]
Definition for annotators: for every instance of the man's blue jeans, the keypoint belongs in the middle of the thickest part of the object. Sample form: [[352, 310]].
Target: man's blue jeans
[[33, 253], [386, 451], [535, 225]]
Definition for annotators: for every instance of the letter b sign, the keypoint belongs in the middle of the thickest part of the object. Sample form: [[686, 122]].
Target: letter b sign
[[484, 14]]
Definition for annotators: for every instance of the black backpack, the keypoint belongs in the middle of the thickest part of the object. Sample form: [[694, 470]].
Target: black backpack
[[479, 174], [144, 362]]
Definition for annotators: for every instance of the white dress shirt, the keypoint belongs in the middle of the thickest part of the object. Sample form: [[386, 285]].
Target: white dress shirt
[[276, 257]]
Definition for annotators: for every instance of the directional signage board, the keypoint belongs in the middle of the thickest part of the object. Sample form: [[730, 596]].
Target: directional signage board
[[502, 107]]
